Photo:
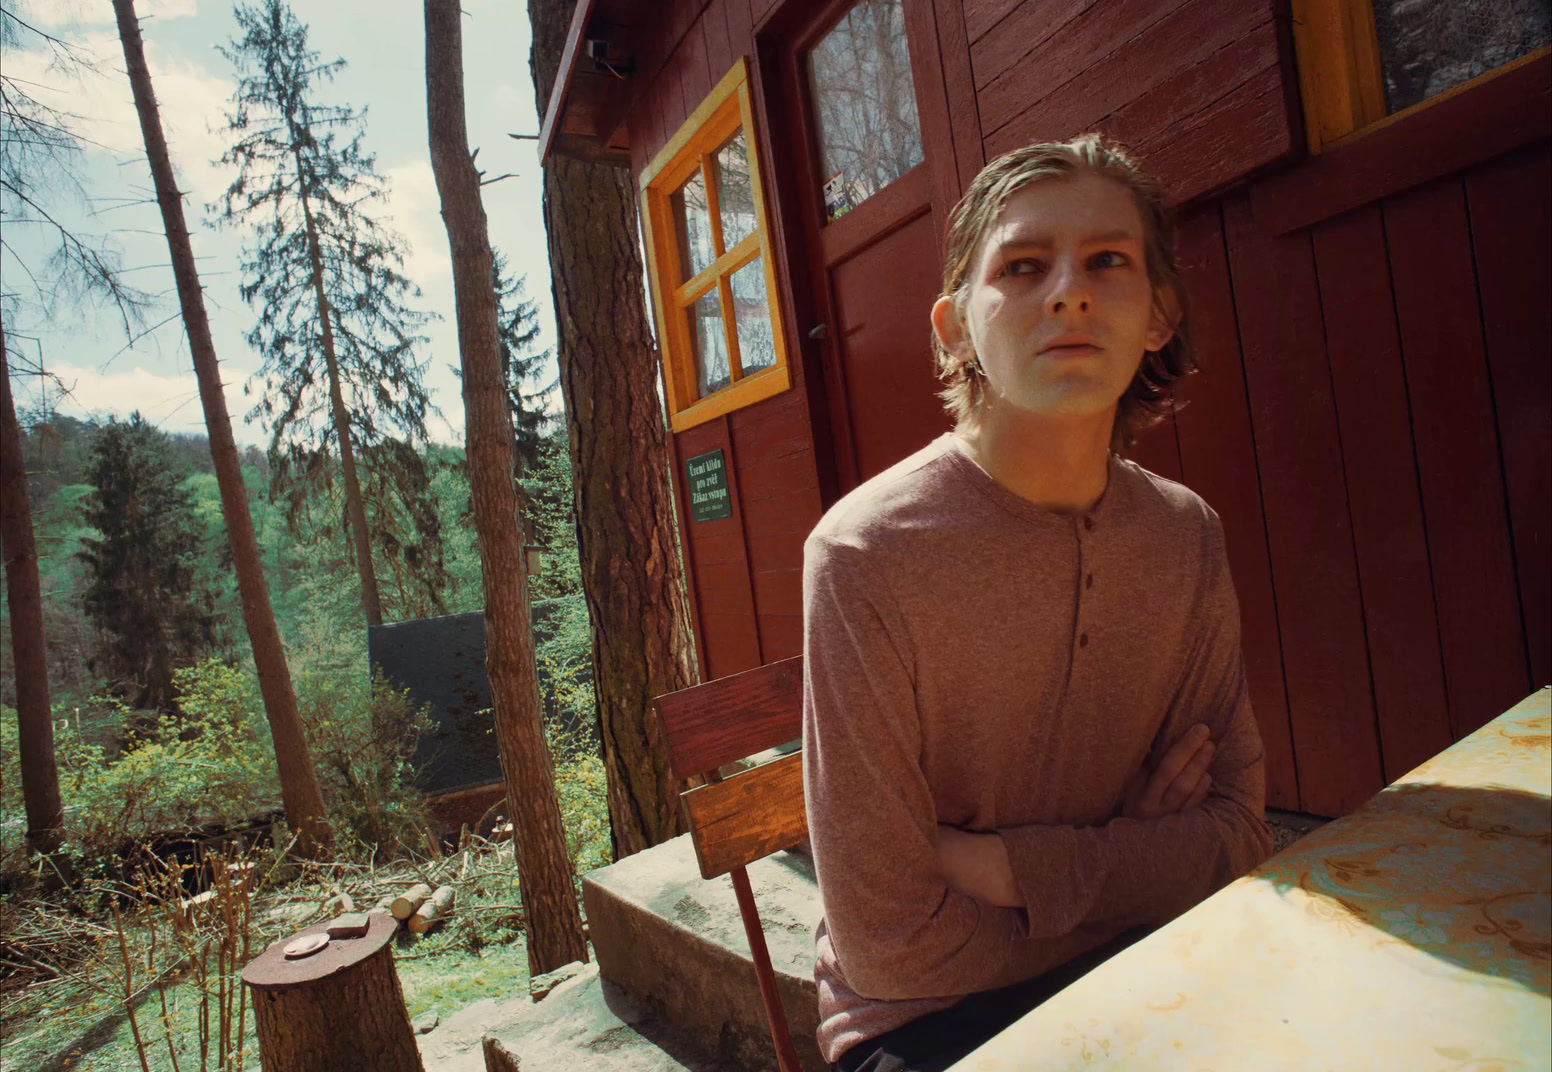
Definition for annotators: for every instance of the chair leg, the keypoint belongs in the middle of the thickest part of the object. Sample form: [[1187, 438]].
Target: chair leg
[[786, 1056]]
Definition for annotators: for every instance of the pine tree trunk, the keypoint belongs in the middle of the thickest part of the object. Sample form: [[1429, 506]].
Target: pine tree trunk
[[371, 601], [544, 868], [298, 781], [24, 593], [632, 572]]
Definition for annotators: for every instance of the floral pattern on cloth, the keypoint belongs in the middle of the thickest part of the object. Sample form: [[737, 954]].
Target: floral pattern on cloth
[[1414, 934]]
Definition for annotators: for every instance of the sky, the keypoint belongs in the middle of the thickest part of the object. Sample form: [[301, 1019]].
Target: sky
[[382, 42]]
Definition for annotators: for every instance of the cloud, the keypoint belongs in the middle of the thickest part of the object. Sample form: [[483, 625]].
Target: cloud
[[169, 402], [71, 14], [191, 98]]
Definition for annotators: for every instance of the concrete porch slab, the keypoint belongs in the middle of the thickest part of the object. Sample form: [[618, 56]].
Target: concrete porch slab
[[675, 943]]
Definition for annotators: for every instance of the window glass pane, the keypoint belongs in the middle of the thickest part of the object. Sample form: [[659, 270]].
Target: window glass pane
[[1429, 46], [711, 356], [735, 193], [692, 225], [752, 317], [860, 78]]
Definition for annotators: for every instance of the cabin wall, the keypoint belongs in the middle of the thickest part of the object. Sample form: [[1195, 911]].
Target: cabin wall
[[1372, 420], [745, 571]]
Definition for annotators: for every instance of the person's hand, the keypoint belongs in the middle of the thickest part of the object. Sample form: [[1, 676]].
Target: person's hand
[[978, 865], [1180, 781]]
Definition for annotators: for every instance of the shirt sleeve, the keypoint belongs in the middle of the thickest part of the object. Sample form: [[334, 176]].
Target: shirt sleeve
[[898, 929], [1132, 871]]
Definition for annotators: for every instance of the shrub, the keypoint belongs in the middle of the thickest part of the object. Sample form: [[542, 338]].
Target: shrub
[[582, 790]]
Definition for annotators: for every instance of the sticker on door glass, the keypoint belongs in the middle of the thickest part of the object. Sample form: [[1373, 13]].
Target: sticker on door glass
[[836, 203]]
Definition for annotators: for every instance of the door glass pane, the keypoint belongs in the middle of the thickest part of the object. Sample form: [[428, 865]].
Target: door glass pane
[[860, 81], [706, 335], [1429, 46], [735, 193], [692, 225], [752, 316]]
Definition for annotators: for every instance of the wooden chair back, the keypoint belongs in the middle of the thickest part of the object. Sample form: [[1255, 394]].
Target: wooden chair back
[[737, 820]]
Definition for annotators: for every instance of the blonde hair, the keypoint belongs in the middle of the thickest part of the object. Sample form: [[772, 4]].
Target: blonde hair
[[1148, 398]]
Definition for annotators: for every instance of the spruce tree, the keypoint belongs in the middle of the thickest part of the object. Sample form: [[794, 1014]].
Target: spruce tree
[[517, 328], [147, 593], [336, 328]]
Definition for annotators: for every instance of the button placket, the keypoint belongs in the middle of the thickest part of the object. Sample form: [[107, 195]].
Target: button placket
[[1086, 573]]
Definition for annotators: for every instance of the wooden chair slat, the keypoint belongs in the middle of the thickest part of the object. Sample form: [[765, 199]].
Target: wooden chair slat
[[732, 717], [748, 816]]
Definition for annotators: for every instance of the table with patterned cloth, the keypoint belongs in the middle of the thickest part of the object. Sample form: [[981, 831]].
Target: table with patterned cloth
[[1410, 935]]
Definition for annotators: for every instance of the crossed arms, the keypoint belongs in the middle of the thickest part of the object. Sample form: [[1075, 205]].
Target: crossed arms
[[915, 909]]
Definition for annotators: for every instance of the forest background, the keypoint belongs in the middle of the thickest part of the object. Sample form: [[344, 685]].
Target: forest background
[[80, 368], [158, 726]]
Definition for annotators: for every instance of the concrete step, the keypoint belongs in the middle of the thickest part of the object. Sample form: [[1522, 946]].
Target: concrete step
[[584, 1023], [675, 943]]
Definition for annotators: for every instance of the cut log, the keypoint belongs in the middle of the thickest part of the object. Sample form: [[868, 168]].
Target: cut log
[[406, 903], [385, 904], [341, 1009], [434, 911]]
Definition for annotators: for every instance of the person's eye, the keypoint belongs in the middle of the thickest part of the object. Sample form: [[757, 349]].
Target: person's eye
[[1109, 259], [1023, 266]]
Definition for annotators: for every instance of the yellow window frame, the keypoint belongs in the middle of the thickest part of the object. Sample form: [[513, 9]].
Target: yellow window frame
[[1340, 80], [691, 149]]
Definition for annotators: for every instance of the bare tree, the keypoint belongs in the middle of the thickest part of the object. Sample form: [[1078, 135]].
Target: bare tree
[[298, 781], [632, 574], [543, 866]]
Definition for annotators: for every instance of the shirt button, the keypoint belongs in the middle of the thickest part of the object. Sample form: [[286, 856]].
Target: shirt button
[[1083, 640], [1090, 582], [1088, 523]]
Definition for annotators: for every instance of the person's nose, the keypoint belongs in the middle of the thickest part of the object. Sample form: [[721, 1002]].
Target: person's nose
[[1070, 290]]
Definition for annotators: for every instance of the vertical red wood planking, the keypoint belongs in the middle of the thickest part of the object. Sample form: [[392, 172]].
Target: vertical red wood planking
[[719, 50], [1386, 507], [1314, 574], [1218, 462], [698, 75], [1457, 452], [740, 24], [723, 590], [932, 111], [959, 84], [1511, 234]]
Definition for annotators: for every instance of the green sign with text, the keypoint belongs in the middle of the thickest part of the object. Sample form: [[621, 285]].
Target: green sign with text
[[709, 498]]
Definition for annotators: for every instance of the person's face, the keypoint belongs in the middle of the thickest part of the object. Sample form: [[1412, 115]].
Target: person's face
[[1060, 308]]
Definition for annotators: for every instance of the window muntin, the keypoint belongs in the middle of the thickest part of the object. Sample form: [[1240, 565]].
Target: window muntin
[[864, 104], [713, 286], [735, 195]]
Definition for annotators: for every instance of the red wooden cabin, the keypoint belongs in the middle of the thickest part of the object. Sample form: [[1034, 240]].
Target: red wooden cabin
[[1364, 188]]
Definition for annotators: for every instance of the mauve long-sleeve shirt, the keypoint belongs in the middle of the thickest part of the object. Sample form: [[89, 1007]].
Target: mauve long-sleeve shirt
[[974, 659]]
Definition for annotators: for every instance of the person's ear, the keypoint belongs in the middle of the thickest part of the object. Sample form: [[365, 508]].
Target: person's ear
[[949, 327], [1166, 314]]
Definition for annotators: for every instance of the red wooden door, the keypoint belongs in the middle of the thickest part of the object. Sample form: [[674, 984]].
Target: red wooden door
[[873, 178]]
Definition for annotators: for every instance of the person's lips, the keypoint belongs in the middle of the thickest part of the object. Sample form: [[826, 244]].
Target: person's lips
[[1071, 346]]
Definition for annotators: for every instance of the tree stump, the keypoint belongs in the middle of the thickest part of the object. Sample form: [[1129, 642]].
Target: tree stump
[[339, 1010]]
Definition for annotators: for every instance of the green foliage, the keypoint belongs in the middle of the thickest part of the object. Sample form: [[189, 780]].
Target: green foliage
[[146, 593], [552, 518], [362, 733], [207, 760], [582, 790]]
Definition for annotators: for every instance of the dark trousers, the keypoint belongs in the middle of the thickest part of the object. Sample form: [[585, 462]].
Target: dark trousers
[[937, 1040]]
